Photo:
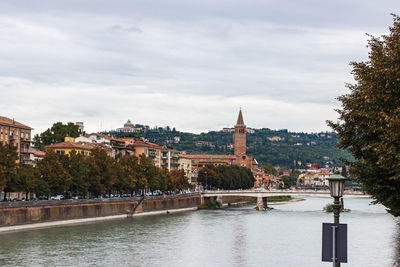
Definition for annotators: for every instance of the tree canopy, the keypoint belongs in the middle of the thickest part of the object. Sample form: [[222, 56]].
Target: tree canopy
[[56, 134], [369, 121], [8, 166], [226, 177], [77, 175]]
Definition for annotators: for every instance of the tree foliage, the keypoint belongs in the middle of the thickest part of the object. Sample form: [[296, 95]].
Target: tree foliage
[[226, 177], [54, 174], [8, 166], [269, 169], [369, 121], [56, 134], [77, 175]]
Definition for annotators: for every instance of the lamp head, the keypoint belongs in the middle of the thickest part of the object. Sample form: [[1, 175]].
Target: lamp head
[[336, 185]]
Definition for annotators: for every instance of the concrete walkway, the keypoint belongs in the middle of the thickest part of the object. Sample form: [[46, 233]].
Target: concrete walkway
[[15, 228]]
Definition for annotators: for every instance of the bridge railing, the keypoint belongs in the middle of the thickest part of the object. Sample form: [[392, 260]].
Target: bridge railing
[[306, 191]]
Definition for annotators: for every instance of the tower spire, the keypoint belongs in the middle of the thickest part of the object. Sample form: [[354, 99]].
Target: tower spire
[[240, 121], [240, 136]]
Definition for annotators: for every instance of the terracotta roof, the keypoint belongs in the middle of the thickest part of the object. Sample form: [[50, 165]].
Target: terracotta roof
[[138, 142], [81, 145], [209, 157], [10, 122], [156, 145], [37, 152]]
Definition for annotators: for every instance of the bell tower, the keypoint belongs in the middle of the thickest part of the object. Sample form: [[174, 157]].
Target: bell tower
[[240, 136]]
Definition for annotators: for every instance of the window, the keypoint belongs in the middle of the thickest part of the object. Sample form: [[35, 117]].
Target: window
[[22, 135]]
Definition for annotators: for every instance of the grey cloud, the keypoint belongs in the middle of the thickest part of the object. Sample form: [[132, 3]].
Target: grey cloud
[[149, 60], [119, 29]]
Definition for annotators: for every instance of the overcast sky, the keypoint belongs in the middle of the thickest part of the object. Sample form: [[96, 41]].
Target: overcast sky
[[186, 64]]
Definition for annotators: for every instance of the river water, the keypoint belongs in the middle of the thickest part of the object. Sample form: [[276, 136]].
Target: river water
[[289, 235]]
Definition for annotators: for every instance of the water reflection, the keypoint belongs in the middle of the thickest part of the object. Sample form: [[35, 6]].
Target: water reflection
[[239, 243]]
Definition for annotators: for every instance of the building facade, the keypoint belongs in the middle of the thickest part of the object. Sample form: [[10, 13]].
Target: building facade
[[17, 134], [65, 148]]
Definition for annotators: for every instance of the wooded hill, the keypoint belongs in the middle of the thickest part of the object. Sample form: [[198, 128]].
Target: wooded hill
[[278, 147]]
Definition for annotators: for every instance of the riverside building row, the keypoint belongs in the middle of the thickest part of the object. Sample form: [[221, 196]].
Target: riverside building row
[[162, 156]]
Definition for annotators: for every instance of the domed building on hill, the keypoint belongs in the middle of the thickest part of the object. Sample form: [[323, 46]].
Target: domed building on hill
[[129, 127]]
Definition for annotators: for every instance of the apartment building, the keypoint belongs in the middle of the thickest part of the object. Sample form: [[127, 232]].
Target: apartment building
[[18, 134]]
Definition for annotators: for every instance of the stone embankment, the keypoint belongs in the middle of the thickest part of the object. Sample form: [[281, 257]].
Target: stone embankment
[[21, 213]]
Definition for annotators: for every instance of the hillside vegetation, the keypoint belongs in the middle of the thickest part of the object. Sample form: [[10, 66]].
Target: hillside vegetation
[[277, 147]]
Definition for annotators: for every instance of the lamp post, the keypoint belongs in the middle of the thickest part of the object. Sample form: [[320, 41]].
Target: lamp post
[[336, 186], [206, 180]]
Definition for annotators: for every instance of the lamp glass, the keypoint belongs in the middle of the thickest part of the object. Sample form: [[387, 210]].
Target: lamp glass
[[336, 187]]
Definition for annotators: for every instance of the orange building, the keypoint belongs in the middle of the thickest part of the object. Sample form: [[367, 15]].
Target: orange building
[[18, 134], [163, 156]]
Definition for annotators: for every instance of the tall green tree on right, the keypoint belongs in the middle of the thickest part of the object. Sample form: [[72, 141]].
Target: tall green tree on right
[[369, 121]]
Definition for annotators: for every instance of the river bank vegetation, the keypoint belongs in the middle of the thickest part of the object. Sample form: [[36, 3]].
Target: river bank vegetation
[[77, 175], [226, 177]]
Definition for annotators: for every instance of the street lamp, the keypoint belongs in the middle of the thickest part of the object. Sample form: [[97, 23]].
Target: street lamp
[[206, 180], [336, 186]]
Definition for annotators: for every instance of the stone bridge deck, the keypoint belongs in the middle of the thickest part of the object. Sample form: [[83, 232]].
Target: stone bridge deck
[[262, 195], [266, 193]]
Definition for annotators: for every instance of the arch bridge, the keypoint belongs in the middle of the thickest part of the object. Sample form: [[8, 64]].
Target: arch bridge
[[262, 195]]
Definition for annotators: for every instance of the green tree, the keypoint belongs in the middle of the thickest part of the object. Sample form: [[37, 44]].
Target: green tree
[[369, 120], [269, 169], [287, 182], [53, 173], [208, 177], [78, 169], [227, 177], [152, 173], [56, 134], [179, 180], [29, 181], [102, 174], [129, 176], [8, 166]]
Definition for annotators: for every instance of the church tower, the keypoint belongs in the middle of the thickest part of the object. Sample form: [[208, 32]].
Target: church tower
[[240, 136]]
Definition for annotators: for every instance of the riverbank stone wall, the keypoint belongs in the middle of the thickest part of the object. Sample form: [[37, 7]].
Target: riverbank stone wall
[[17, 213]]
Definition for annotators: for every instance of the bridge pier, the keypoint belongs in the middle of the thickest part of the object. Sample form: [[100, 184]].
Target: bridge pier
[[262, 203], [219, 200]]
